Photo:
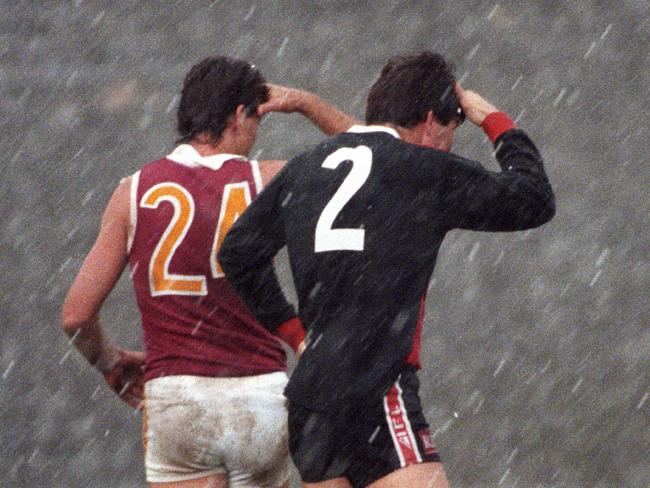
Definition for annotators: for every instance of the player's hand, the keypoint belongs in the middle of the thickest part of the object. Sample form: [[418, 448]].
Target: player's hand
[[476, 107], [126, 378], [281, 99]]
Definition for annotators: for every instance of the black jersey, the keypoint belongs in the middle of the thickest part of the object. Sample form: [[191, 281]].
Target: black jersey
[[363, 215]]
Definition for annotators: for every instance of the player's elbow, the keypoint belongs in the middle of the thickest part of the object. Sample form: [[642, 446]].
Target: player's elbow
[[70, 324], [534, 206], [543, 209], [531, 216], [242, 251], [547, 211], [73, 319]]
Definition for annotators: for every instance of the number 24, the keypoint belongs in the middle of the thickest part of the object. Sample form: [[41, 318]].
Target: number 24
[[236, 197]]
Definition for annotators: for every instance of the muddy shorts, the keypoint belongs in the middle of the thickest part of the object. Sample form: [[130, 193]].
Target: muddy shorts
[[199, 426]]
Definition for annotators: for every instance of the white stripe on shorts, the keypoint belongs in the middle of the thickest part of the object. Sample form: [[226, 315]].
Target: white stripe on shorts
[[400, 428]]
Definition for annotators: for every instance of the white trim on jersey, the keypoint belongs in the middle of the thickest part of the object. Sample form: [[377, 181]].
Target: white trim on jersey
[[362, 129], [257, 176], [133, 210], [186, 155]]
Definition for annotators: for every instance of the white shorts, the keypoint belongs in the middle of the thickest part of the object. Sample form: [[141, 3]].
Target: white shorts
[[198, 426]]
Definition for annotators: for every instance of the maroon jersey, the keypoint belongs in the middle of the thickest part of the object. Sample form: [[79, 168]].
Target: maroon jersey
[[194, 322]]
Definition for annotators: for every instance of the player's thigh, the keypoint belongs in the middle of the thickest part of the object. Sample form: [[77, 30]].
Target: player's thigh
[[213, 481], [277, 476], [320, 446], [425, 475]]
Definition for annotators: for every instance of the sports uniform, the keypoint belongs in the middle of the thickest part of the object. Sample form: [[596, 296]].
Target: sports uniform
[[214, 374], [363, 215]]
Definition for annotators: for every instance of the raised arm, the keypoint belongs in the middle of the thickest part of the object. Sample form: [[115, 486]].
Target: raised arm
[[326, 117], [517, 198], [269, 168]]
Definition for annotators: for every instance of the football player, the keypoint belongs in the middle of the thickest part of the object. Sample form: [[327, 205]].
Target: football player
[[363, 215], [212, 376]]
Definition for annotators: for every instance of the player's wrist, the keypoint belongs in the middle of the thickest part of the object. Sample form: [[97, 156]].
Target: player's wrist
[[304, 102], [496, 123], [292, 332], [108, 358]]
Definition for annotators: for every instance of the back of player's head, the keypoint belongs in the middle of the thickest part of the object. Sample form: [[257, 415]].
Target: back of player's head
[[212, 90], [410, 86]]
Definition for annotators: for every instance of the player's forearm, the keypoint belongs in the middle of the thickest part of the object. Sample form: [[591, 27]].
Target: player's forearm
[[518, 198], [532, 191], [255, 281], [246, 257], [326, 117], [529, 200], [90, 340]]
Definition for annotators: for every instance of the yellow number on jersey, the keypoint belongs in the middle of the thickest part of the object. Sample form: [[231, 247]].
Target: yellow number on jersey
[[236, 197], [161, 281]]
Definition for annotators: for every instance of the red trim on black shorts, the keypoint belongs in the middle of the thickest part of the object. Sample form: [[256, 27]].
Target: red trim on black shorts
[[400, 429]]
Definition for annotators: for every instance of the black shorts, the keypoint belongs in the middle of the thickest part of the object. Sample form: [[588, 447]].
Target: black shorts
[[362, 444]]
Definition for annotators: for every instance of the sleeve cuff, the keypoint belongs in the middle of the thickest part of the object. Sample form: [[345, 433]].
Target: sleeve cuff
[[292, 332], [496, 124]]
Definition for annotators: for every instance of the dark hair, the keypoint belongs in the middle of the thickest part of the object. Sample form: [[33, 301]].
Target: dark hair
[[212, 90], [409, 86]]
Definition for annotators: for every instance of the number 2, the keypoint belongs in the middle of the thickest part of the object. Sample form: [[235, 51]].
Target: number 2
[[326, 238]]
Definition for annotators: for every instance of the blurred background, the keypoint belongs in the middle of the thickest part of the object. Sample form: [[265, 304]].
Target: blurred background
[[536, 345]]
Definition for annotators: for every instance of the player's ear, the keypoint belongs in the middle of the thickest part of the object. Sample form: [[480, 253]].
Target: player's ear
[[431, 119], [430, 124], [236, 119], [240, 113]]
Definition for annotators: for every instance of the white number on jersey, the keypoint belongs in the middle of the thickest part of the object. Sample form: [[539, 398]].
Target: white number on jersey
[[328, 239]]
